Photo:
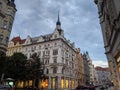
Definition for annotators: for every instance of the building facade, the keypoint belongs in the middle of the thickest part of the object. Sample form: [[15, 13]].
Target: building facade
[[7, 14], [109, 15], [86, 69], [92, 72], [15, 45], [80, 68], [58, 56], [103, 75]]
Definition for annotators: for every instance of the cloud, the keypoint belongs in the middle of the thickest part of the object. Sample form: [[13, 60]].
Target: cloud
[[100, 63], [79, 21]]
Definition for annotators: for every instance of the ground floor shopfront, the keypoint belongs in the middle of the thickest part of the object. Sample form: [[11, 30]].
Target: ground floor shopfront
[[53, 83]]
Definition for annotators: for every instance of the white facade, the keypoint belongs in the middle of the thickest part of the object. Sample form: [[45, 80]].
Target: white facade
[[58, 55], [92, 72], [103, 75]]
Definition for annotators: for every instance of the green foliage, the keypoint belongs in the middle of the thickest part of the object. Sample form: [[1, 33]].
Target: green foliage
[[16, 66]]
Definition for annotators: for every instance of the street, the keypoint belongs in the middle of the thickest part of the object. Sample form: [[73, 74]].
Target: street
[[110, 88]]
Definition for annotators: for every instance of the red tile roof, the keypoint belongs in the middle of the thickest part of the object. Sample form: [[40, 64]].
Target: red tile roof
[[18, 39], [101, 68]]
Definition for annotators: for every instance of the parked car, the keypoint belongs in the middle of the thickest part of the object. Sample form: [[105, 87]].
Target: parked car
[[82, 87], [5, 87], [91, 87]]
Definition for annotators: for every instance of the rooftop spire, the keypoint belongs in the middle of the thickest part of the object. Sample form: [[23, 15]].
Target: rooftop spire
[[58, 21]]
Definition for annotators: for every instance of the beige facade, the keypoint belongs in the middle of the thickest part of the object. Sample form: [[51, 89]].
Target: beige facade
[[15, 45], [7, 14], [109, 14], [80, 68]]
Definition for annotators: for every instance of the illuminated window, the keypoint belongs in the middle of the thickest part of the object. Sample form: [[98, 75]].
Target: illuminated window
[[118, 59], [62, 83]]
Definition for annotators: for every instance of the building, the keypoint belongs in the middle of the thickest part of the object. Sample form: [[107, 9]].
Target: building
[[103, 75], [109, 15], [86, 69], [92, 72], [7, 14], [80, 68], [15, 45], [59, 57]]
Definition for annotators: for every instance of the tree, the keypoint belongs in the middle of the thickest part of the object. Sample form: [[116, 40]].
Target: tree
[[35, 69], [16, 66]]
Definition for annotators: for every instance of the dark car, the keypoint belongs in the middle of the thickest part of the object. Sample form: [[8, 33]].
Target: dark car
[[91, 87], [5, 87], [81, 87]]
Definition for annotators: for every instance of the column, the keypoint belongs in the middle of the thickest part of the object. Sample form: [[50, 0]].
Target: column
[[69, 83], [64, 82], [49, 84], [59, 82]]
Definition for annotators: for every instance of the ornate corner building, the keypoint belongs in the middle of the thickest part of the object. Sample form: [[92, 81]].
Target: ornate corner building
[[7, 14], [109, 15]]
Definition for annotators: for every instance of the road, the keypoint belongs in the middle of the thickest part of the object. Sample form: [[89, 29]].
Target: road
[[110, 88]]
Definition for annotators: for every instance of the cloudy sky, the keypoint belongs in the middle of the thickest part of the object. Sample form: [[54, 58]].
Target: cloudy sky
[[79, 19]]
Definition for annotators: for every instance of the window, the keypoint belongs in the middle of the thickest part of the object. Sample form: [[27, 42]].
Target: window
[[8, 11], [1, 37], [55, 44], [10, 27], [13, 13], [47, 71], [4, 24], [6, 40], [39, 47], [55, 70], [55, 36], [55, 60], [39, 53], [0, 5], [62, 70], [55, 52], [46, 53]]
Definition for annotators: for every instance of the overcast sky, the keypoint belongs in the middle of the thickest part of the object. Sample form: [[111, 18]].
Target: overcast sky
[[79, 20]]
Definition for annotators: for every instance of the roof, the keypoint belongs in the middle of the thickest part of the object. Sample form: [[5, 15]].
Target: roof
[[18, 39], [101, 68]]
